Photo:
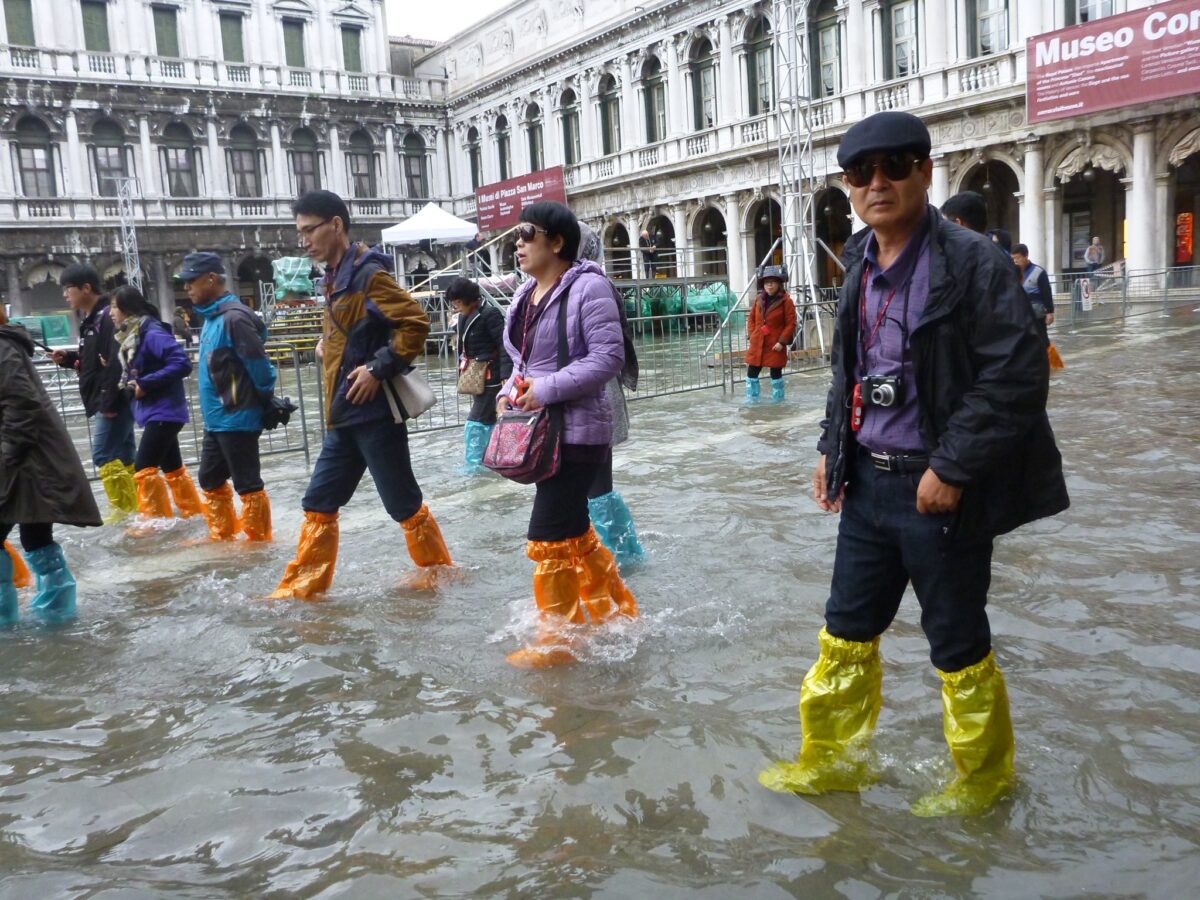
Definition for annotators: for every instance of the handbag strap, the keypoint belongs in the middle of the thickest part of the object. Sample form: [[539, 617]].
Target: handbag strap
[[563, 357]]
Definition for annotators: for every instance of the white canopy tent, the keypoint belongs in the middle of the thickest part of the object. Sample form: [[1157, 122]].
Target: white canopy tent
[[432, 223]]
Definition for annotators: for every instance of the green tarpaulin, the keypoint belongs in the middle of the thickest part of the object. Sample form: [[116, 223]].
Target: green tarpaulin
[[292, 279]]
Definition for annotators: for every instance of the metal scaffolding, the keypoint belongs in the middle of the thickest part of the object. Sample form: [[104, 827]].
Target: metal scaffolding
[[126, 186]]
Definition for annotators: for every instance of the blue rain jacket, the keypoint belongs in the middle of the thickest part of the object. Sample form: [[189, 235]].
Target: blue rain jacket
[[234, 370]]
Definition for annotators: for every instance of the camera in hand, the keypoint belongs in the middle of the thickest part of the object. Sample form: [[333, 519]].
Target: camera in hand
[[882, 390]]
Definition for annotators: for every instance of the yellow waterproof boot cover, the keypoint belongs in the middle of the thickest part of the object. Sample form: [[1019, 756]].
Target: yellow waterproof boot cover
[[556, 591], [120, 487], [152, 494], [311, 573], [424, 538], [840, 700], [21, 576], [256, 516], [603, 592], [183, 489], [978, 729], [218, 512]]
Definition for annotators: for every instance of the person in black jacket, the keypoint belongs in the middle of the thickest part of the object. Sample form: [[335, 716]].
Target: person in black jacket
[[99, 370], [935, 441], [480, 337]]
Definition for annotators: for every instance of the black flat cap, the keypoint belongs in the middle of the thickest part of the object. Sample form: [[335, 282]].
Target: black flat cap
[[884, 132]]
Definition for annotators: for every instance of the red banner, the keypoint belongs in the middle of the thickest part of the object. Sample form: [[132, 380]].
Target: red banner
[[498, 205], [1149, 54]]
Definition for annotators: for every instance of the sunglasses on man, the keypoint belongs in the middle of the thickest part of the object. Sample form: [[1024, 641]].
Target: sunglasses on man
[[894, 166]]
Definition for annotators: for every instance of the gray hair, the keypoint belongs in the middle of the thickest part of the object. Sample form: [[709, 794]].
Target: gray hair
[[590, 246]]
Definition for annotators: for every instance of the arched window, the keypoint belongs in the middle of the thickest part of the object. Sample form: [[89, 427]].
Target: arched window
[[760, 68], [704, 86], [654, 93], [610, 115], [360, 160], [306, 170], [900, 38], [502, 147], [533, 125], [35, 158], [108, 157], [180, 161], [987, 22], [826, 45], [416, 177], [570, 128], [245, 175], [474, 157]]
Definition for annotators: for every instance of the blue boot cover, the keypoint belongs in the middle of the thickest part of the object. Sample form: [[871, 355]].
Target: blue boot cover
[[753, 390], [777, 389], [475, 440], [8, 592], [55, 597], [614, 526]]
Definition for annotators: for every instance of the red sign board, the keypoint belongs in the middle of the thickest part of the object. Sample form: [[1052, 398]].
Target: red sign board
[[498, 205], [1149, 54]]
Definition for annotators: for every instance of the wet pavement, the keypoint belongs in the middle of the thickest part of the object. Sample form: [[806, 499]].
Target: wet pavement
[[186, 738]]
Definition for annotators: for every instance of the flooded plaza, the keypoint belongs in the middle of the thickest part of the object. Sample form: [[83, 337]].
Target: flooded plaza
[[186, 738]]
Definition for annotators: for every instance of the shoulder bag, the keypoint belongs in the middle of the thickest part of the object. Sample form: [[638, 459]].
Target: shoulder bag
[[472, 373]]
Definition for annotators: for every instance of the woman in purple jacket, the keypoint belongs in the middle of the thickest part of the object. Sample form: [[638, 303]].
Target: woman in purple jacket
[[575, 579], [153, 367]]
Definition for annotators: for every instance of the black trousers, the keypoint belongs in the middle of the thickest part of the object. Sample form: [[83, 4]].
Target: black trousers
[[560, 508], [602, 483], [33, 537], [159, 447], [483, 408], [754, 371], [230, 453]]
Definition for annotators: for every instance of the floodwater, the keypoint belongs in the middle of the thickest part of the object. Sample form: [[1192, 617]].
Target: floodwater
[[185, 738]]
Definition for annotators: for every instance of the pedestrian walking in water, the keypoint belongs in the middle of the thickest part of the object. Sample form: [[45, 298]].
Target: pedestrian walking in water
[[770, 328], [235, 378], [373, 330], [482, 365], [565, 311], [41, 483], [153, 368], [935, 441]]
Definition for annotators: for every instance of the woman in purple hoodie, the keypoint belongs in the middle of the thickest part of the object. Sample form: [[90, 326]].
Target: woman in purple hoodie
[[153, 368], [575, 580]]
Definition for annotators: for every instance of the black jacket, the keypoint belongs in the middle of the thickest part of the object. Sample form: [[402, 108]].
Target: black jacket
[[484, 332], [97, 363], [41, 477], [982, 378]]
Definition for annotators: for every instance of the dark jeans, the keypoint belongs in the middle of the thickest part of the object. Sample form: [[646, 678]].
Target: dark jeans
[[602, 483], [560, 508], [113, 438], [883, 543], [159, 448], [754, 371], [380, 445], [230, 453], [33, 537], [483, 408]]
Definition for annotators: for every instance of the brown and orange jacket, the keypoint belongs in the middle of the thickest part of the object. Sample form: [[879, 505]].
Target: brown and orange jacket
[[369, 320]]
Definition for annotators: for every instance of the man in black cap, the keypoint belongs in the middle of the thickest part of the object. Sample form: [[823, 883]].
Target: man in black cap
[[235, 378], [935, 441]]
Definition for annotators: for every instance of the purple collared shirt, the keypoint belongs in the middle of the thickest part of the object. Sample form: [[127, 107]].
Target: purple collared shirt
[[893, 429]]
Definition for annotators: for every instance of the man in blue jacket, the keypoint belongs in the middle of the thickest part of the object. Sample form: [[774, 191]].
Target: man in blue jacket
[[235, 374]]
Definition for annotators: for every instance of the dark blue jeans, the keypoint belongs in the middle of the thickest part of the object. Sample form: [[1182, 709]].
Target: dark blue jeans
[[883, 544], [381, 446], [113, 438]]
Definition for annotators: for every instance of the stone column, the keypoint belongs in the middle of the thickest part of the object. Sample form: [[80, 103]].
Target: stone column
[[1052, 196], [1032, 205], [393, 183], [727, 79], [588, 145], [437, 166], [337, 164], [20, 301], [856, 63], [76, 172], [683, 261], [936, 41], [219, 183], [552, 133], [1164, 230], [735, 245], [1139, 255], [8, 185], [939, 190], [150, 175], [279, 161], [675, 96], [630, 132], [165, 288]]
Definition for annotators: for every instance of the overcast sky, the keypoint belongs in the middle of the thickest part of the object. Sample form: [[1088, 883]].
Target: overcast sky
[[436, 20]]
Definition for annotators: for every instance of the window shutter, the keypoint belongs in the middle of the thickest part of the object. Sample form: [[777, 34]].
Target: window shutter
[[95, 26], [231, 38], [18, 17], [293, 43], [352, 49], [166, 31]]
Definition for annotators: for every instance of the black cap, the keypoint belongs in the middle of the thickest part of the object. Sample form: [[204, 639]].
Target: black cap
[[197, 264], [884, 132]]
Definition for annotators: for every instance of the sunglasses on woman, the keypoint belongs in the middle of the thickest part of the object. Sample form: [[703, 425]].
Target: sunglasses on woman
[[895, 167], [527, 231]]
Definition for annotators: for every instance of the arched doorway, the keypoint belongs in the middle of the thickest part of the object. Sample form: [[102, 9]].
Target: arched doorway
[[998, 186], [251, 272], [618, 259], [1186, 213], [712, 248], [833, 220], [1093, 206], [45, 296], [663, 232], [767, 222]]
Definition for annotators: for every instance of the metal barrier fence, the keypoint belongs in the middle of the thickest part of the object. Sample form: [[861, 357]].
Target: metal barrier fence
[[1103, 297]]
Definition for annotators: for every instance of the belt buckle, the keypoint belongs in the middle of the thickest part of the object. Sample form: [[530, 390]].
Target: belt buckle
[[883, 462]]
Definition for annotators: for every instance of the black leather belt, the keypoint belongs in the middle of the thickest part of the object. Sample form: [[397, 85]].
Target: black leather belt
[[899, 464]]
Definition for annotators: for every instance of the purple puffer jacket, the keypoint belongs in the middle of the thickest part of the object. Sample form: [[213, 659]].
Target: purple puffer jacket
[[596, 350], [159, 367]]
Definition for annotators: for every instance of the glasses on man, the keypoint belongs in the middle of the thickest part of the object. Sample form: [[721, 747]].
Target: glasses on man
[[309, 230], [894, 166], [527, 231]]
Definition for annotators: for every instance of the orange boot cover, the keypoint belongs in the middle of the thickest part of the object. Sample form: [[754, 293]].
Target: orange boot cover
[[152, 494], [311, 572], [183, 489], [256, 516], [604, 593], [424, 538], [21, 576], [218, 512], [556, 591]]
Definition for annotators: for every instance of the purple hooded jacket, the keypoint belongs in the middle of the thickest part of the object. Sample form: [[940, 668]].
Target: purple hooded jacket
[[159, 367], [596, 350]]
